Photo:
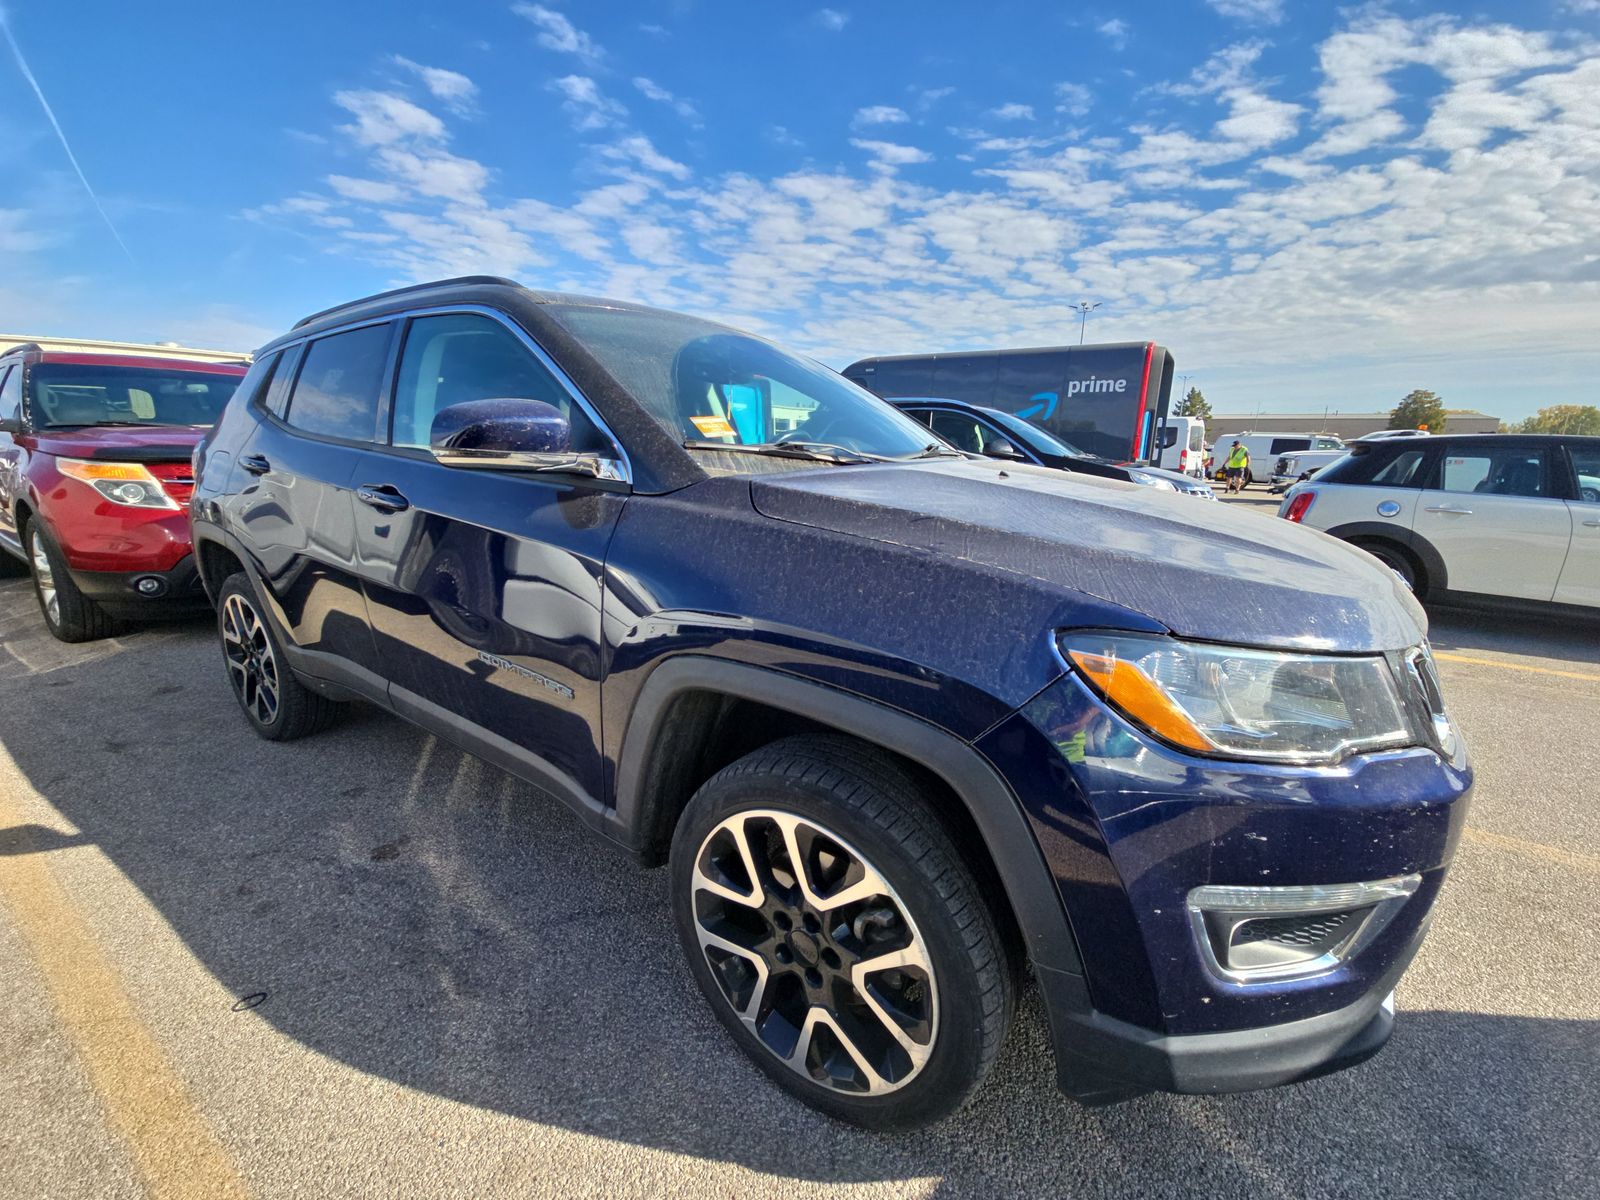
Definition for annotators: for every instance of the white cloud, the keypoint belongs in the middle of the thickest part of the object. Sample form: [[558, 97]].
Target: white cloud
[[879, 114], [1255, 12], [557, 33], [1012, 112], [652, 90], [1075, 99], [832, 19], [1463, 243], [891, 153], [454, 88], [371, 191], [639, 149], [586, 104], [928, 97], [1114, 31], [383, 118]]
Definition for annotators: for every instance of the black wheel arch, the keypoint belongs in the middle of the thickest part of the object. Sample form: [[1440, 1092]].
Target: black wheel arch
[[1434, 576], [650, 792]]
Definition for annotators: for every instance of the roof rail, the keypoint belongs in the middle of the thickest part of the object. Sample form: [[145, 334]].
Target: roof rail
[[414, 287], [22, 347]]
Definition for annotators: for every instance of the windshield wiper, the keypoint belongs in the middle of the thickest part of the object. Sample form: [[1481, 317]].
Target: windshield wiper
[[932, 450], [812, 451]]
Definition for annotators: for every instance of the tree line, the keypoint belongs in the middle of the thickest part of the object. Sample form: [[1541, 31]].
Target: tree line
[[1422, 409]]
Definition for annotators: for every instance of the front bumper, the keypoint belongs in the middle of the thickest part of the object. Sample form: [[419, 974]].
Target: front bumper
[[146, 592], [1129, 828], [1101, 1060]]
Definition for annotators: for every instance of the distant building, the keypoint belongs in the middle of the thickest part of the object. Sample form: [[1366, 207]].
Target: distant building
[[138, 349], [1345, 425]]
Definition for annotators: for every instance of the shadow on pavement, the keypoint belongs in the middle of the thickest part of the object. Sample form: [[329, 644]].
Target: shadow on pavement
[[423, 918], [1508, 631]]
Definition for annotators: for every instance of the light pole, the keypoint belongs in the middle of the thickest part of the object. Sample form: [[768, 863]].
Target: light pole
[[1084, 308]]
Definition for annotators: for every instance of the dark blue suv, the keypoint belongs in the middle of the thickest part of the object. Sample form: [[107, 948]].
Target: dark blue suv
[[904, 725]]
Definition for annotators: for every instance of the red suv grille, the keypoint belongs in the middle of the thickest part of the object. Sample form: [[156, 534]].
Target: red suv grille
[[177, 479]]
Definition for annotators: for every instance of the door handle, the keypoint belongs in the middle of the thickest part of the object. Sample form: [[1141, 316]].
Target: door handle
[[255, 464], [1451, 508], [1593, 524], [383, 497]]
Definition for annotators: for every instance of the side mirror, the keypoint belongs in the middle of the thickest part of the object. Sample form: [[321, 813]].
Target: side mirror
[[10, 425], [506, 434], [1000, 448]]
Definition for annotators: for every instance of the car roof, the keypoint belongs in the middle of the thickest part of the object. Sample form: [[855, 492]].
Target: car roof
[[83, 358]]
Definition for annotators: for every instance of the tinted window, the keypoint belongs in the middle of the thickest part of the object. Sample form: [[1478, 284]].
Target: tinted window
[[72, 394], [10, 392], [920, 414], [336, 394], [960, 431], [1585, 459], [1289, 445], [463, 356], [1401, 470], [268, 370], [1510, 472]]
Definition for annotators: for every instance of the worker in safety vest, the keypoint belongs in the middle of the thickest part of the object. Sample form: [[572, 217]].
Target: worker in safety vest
[[1236, 466]]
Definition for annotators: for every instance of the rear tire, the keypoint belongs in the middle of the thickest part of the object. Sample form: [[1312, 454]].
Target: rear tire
[[278, 706], [1396, 560], [68, 614], [784, 955]]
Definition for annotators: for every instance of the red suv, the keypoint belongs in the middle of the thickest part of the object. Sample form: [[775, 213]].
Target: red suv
[[95, 480]]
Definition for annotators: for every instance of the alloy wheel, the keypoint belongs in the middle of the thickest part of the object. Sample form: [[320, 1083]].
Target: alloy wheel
[[815, 952], [44, 578], [252, 667]]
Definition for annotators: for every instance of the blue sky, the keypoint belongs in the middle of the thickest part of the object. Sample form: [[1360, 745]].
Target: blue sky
[[1312, 206]]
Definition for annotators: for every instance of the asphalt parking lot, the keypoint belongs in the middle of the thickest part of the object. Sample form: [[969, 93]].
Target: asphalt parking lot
[[369, 965]]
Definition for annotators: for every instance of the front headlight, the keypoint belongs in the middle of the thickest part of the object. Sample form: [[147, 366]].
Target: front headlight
[[1247, 704], [1148, 480], [128, 484]]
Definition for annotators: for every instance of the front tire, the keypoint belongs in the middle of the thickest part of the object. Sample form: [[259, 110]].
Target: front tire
[[277, 705], [836, 933], [69, 614]]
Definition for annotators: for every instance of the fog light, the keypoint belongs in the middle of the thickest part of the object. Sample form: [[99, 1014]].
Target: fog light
[[1248, 934], [150, 585]]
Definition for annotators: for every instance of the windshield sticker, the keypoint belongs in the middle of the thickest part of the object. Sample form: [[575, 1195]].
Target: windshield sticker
[[712, 426]]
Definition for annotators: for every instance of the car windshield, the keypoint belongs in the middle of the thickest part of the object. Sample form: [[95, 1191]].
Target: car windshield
[[1039, 439], [713, 387], [69, 394]]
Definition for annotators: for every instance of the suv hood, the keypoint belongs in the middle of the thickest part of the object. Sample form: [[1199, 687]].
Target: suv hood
[[132, 443], [1206, 571]]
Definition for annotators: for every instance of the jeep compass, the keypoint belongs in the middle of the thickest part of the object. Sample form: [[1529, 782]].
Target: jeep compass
[[904, 725]]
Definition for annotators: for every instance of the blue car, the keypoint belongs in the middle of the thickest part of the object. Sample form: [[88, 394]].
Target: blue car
[[978, 429], [903, 725]]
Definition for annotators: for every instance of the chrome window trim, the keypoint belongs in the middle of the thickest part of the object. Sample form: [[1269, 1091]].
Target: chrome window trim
[[442, 310]]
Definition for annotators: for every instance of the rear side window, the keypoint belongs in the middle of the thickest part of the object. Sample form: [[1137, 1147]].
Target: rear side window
[[11, 393], [263, 376], [1380, 465], [336, 394], [1586, 461], [459, 357], [1289, 445], [1509, 472]]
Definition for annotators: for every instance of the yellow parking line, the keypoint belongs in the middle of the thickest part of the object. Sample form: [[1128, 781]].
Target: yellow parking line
[[1501, 841], [176, 1151], [1510, 666]]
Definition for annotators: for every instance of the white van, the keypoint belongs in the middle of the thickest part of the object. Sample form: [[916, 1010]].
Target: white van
[[1266, 448], [1183, 446]]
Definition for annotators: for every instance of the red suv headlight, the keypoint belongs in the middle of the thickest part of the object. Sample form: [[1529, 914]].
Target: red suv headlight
[[129, 484]]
